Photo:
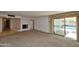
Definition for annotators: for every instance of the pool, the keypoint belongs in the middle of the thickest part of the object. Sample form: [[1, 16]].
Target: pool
[[71, 32], [71, 27]]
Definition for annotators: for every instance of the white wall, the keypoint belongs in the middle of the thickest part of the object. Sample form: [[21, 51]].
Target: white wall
[[0, 24], [42, 24], [26, 20]]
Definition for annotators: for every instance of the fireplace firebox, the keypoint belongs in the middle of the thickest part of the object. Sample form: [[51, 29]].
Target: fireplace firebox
[[24, 26]]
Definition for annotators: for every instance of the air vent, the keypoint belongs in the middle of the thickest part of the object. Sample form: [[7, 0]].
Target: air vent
[[11, 15]]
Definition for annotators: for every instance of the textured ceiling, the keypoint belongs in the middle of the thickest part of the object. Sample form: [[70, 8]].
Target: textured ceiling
[[32, 13]]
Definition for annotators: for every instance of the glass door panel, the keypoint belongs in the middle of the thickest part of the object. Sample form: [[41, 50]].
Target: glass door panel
[[59, 26], [71, 27]]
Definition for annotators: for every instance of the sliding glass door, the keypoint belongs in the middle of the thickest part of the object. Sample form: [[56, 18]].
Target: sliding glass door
[[66, 27], [71, 27], [59, 26]]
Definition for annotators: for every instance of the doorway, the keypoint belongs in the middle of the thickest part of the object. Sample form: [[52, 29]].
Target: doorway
[[6, 24]]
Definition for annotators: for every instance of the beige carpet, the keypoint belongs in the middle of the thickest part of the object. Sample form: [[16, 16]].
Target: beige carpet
[[5, 33], [36, 39]]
